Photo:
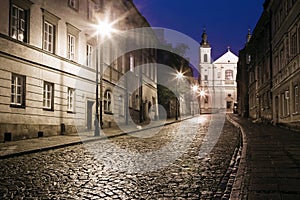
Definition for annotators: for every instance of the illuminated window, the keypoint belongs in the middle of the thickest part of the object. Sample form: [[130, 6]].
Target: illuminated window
[[131, 60], [296, 98], [19, 23]]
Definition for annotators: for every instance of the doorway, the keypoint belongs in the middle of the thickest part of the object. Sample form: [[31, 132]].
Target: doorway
[[89, 114]]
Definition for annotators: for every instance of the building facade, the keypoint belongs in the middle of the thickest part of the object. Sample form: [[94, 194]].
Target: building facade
[[217, 79], [272, 58], [48, 64]]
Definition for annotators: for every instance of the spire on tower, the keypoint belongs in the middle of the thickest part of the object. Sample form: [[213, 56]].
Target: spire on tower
[[204, 41], [248, 36]]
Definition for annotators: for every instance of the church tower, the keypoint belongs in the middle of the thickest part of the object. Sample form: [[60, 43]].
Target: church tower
[[206, 73], [205, 65], [205, 50]]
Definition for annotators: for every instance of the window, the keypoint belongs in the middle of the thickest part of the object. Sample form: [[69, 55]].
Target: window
[[205, 77], [73, 4], [283, 111], [18, 90], [72, 41], [229, 74], [71, 95], [287, 102], [50, 22], [71, 47], [107, 101], [296, 99], [89, 50], [293, 43], [91, 10], [19, 20], [248, 59], [48, 36], [205, 57], [219, 74], [48, 95], [137, 102], [131, 63]]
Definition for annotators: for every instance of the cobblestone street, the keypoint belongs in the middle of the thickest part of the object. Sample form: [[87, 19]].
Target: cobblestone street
[[76, 172]]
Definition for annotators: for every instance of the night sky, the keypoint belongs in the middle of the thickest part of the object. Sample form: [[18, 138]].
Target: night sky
[[226, 21]]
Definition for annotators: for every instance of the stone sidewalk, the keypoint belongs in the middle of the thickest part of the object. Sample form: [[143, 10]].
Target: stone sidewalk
[[270, 163], [19, 147]]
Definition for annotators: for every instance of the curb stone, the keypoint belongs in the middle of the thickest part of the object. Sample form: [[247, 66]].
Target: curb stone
[[237, 187]]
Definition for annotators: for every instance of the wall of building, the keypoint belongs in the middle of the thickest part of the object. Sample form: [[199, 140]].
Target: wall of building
[[274, 65], [29, 66]]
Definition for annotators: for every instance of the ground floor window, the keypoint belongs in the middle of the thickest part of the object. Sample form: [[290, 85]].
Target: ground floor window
[[48, 96], [296, 99], [18, 90], [71, 94], [107, 101]]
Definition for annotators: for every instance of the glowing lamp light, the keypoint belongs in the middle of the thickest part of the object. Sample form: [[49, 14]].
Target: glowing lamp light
[[105, 28], [179, 75], [202, 93], [195, 88]]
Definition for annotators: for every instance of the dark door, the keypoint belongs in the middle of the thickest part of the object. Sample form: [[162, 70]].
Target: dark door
[[89, 114]]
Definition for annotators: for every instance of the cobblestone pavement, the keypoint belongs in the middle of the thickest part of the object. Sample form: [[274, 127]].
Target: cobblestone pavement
[[270, 166], [75, 173]]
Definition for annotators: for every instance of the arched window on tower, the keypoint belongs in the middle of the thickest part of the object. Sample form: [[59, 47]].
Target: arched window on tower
[[205, 57]]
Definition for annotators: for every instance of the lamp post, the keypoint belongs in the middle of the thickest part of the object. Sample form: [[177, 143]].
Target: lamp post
[[179, 76], [103, 29]]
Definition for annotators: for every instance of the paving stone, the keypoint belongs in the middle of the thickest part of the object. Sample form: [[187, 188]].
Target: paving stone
[[73, 172]]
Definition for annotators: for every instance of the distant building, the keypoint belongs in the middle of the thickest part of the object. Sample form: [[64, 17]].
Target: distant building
[[270, 59], [217, 79], [47, 68]]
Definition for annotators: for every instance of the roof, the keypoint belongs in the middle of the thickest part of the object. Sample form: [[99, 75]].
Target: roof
[[228, 57]]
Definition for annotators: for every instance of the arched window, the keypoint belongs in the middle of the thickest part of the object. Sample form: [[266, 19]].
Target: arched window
[[107, 101], [205, 57]]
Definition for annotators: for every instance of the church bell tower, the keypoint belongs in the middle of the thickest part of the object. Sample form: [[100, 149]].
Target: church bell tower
[[205, 65]]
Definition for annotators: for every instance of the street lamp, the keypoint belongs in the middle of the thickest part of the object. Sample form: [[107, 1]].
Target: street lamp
[[179, 76], [103, 29], [195, 89]]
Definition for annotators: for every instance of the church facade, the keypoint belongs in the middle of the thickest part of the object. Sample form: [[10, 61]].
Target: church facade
[[217, 79]]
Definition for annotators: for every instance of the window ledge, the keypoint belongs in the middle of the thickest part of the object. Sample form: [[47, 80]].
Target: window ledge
[[17, 106], [108, 112], [48, 109]]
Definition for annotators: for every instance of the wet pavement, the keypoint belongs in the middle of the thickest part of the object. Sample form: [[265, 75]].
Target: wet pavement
[[270, 163], [163, 164]]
